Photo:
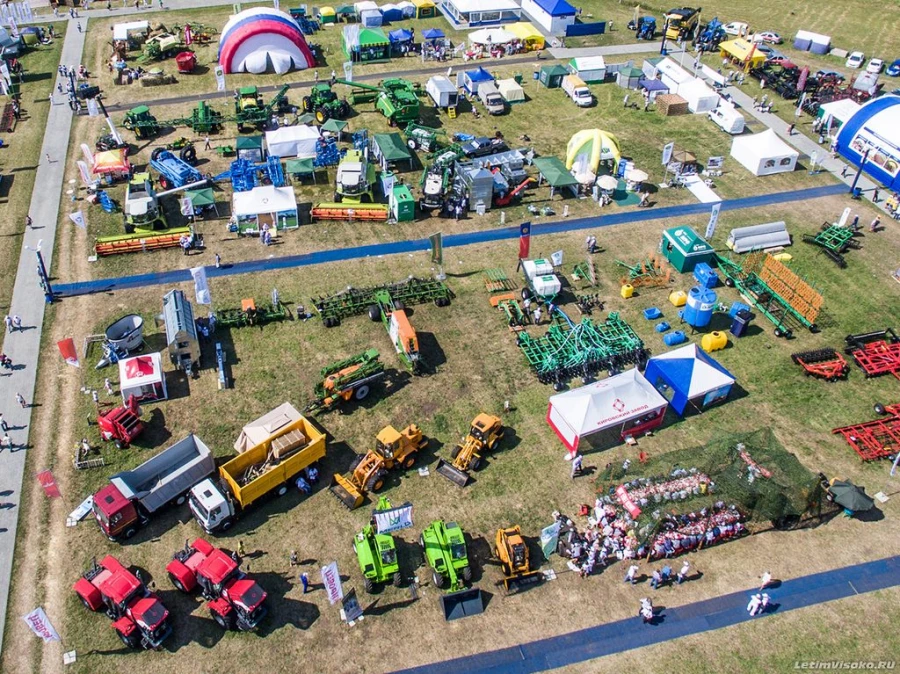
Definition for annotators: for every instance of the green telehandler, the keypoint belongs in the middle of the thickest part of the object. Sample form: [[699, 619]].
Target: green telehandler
[[377, 554], [445, 551]]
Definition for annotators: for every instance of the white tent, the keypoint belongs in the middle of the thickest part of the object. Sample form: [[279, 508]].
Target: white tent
[[365, 5], [627, 399], [764, 153], [491, 36], [700, 98], [267, 426], [590, 69], [293, 141], [263, 199], [836, 113], [123, 31], [511, 91], [143, 377], [673, 75], [371, 18]]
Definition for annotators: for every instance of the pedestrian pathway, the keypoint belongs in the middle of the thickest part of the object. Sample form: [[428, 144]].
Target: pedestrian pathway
[[451, 241], [28, 303], [676, 622]]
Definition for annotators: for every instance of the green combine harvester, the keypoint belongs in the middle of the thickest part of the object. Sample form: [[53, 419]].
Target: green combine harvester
[[444, 546], [346, 379], [395, 98], [377, 554]]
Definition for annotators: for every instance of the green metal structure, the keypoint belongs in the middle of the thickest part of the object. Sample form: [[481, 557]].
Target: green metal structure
[[395, 98], [582, 349], [419, 137], [203, 119], [344, 379], [377, 554], [834, 240], [444, 546], [250, 314], [356, 301]]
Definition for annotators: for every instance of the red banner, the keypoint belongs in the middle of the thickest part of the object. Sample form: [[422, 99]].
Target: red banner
[[48, 482], [524, 240], [68, 351]]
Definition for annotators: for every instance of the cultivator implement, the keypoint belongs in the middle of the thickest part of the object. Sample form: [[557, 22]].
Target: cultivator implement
[[250, 314], [508, 303], [876, 353], [834, 242], [826, 364], [581, 350], [876, 439], [355, 301], [140, 242], [350, 212], [777, 292], [653, 272], [496, 280]]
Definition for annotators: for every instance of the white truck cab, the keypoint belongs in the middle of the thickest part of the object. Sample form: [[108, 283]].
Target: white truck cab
[[575, 88]]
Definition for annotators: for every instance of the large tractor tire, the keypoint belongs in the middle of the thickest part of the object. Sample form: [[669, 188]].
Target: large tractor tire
[[132, 640], [374, 312], [321, 115], [455, 452], [356, 461], [164, 182], [438, 579], [338, 197], [307, 104], [467, 574], [225, 622], [370, 586], [361, 392], [156, 152], [189, 155], [177, 583], [398, 580]]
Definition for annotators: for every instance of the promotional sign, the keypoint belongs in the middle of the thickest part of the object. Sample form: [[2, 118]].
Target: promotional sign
[[188, 35], [715, 163], [556, 259], [667, 153], [352, 609], [220, 78], [331, 579], [437, 248], [187, 206], [524, 240], [78, 218], [40, 624], [348, 71], [68, 351], [201, 285], [713, 220], [394, 519], [549, 539], [84, 172]]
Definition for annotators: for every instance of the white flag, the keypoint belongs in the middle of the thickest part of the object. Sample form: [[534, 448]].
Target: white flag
[[220, 78], [88, 155], [92, 108], [667, 153], [78, 218], [201, 286], [187, 206], [331, 579], [713, 220], [894, 465], [4, 71], [394, 519], [556, 258], [85, 174], [13, 28], [40, 624]]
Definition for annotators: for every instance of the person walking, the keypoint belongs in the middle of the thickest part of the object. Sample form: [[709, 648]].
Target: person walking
[[9, 323], [576, 465], [107, 384], [295, 559], [78, 25], [655, 579], [765, 579], [218, 261], [790, 129], [537, 315], [21, 400], [844, 170], [17, 323], [304, 579], [665, 575], [855, 224], [206, 144], [95, 396], [28, 221], [3, 425], [316, 76], [683, 572], [241, 552], [875, 196], [631, 574], [646, 611], [873, 226], [754, 605], [7, 442]]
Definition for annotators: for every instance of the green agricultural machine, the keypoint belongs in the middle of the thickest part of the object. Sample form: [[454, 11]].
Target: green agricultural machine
[[250, 314], [203, 119], [249, 109], [834, 241], [355, 301], [424, 138], [395, 98], [142, 211], [141, 122], [377, 554], [161, 47], [345, 379], [444, 546], [324, 103]]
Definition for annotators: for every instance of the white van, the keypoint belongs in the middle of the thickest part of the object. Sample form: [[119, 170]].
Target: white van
[[577, 90], [737, 28], [491, 98], [728, 119]]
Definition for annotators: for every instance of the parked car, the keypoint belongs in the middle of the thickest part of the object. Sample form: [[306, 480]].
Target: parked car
[[481, 147], [829, 75], [768, 36], [875, 66], [894, 69], [736, 28], [778, 60], [855, 59]]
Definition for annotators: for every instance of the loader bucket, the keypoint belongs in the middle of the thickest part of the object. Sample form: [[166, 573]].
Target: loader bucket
[[346, 492], [462, 604], [515, 583], [458, 477]]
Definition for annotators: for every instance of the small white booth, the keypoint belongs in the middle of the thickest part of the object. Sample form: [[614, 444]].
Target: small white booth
[[700, 98], [552, 15], [265, 205], [143, 377], [764, 153], [626, 401], [293, 141], [511, 91], [591, 69]]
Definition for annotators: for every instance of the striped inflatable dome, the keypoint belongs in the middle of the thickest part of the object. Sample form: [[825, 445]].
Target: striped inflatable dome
[[261, 40]]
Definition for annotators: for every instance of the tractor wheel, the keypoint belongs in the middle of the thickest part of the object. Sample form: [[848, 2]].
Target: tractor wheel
[[370, 586], [307, 104], [189, 155], [438, 579], [412, 144], [778, 332], [164, 182], [86, 604], [455, 452], [282, 490], [156, 152], [356, 461], [729, 282], [392, 122], [526, 294], [375, 312], [475, 463], [338, 197], [467, 574], [421, 544], [177, 583], [366, 198], [398, 580], [344, 110], [410, 461], [321, 115], [132, 640], [224, 622], [398, 305], [361, 392], [879, 409]]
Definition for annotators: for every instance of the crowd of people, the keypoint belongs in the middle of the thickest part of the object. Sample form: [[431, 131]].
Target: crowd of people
[[491, 50]]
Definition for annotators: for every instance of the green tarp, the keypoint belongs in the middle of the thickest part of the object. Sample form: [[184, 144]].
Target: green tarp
[[334, 125], [204, 197], [249, 143], [300, 167], [391, 148], [554, 172]]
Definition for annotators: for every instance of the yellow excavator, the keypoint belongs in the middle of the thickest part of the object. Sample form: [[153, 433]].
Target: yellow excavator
[[486, 431], [393, 449], [512, 551]]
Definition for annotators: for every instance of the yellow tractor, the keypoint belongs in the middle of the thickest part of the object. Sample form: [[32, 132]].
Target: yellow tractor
[[512, 551], [485, 433], [393, 449]]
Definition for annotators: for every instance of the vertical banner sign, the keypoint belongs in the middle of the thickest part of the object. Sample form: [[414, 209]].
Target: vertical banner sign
[[187, 206], [713, 220], [40, 624], [348, 71], [188, 35], [84, 173], [78, 218], [48, 484], [556, 259], [201, 285], [68, 352], [524, 240], [276, 4], [220, 78], [331, 579], [437, 248], [4, 71], [352, 609], [393, 519], [88, 155], [667, 153], [894, 465]]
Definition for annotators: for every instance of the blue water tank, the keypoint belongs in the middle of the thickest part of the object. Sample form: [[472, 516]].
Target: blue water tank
[[675, 338], [736, 307], [699, 308]]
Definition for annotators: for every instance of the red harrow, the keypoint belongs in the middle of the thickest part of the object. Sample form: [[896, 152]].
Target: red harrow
[[877, 353], [826, 364], [876, 439]]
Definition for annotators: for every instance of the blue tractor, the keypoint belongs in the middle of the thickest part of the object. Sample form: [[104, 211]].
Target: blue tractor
[[645, 28], [710, 37]]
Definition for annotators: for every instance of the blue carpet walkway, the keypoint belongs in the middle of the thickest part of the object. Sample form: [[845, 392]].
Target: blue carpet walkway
[[703, 616], [452, 241]]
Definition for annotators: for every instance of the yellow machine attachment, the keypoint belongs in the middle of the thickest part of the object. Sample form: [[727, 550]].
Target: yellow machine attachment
[[393, 449], [512, 551], [486, 431]]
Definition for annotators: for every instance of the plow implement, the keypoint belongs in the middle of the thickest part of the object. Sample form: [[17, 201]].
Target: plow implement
[[139, 242], [508, 303], [356, 301], [834, 241], [654, 272], [876, 353], [826, 364], [876, 439], [351, 212]]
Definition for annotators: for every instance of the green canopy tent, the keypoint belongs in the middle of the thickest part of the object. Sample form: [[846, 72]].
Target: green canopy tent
[[306, 118], [389, 148], [554, 172], [300, 167], [202, 200], [335, 126], [250, 148], [365, 45], [552, 76]]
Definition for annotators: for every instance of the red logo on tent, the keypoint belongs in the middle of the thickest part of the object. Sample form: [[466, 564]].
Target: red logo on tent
[[618, 405], [139, 367]]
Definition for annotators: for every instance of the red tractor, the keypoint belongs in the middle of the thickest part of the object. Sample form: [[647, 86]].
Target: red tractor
[[235, 600], [122, 424], [138, 616]]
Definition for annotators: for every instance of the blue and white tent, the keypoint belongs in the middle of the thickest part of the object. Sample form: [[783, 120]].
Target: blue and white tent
[[686, 374], [553, 15], [875, 128]]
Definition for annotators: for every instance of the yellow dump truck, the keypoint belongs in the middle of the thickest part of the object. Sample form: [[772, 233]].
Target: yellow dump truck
[[267, 467]]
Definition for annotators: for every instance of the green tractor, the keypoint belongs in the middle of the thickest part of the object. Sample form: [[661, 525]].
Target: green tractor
[[445, 551], [141, 122], [325, 104], [355, 179], [377, 554]]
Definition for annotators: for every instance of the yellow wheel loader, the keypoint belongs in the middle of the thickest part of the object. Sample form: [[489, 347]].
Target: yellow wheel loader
[[486, 431]]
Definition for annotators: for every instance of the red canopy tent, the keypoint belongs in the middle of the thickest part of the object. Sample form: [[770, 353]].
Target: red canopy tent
[[143, 377]]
